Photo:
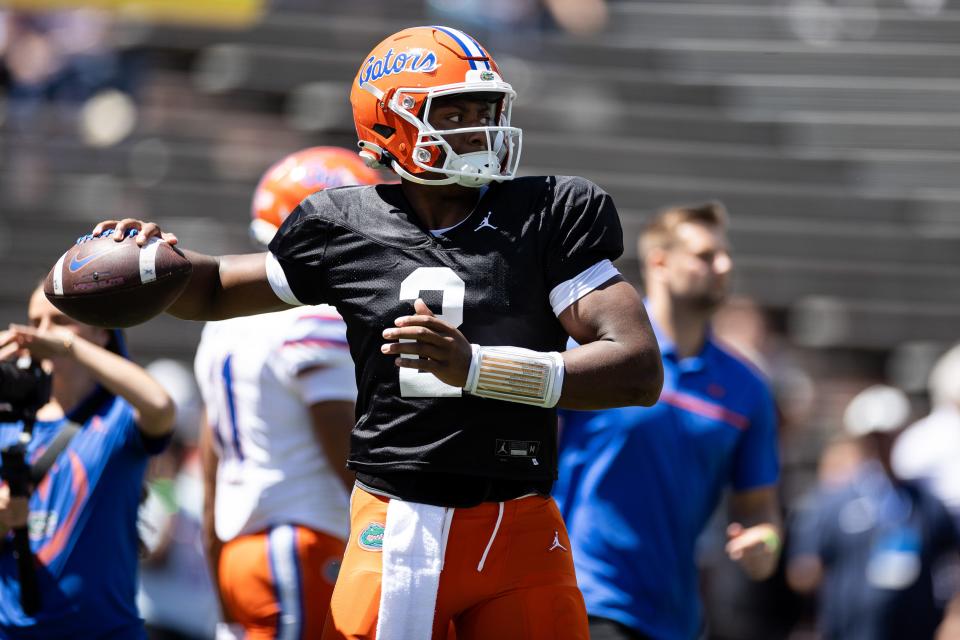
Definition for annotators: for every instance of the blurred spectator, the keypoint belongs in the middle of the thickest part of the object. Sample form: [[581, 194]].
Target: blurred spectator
[[176, 597], [929, 451], [868, 546], [637, 485], [65, 58], [83, 513]]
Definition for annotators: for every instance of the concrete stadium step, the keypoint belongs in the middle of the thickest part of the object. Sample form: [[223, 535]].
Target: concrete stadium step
[[841, 279], [873, 323], [936, 132], [896, 251], [866, 323], [554, 114], [709, 57], [741, 162], [784, 5], [804, 130], [831, 24], [930, 212], [762, 95]]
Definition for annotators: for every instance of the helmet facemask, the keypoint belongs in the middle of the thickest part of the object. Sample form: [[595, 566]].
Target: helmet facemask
[[497, 162]]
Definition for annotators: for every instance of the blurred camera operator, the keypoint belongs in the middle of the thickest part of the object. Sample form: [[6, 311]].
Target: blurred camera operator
[[82, 513]]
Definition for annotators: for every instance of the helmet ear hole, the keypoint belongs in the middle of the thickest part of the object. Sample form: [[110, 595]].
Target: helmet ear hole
[[384, 130]]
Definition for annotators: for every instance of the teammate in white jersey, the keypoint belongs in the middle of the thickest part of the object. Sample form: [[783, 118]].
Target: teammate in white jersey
[[279, 390]]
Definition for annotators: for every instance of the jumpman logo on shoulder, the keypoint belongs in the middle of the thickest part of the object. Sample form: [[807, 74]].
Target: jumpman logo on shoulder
[[486, 223], [556, 542]]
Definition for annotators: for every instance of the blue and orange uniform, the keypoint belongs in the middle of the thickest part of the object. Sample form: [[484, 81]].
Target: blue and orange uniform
[[83, 529], [637, 485]]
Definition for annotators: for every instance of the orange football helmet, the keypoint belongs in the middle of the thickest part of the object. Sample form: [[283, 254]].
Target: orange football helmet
[[300, 174], [394, 90]]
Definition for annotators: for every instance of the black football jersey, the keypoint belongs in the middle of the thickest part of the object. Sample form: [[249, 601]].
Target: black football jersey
[[363, 250]]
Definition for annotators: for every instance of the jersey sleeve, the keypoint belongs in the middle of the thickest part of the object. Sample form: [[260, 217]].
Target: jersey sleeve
[[129, 435], [756, 461], [584, 230], [317, 338], [299, 249]]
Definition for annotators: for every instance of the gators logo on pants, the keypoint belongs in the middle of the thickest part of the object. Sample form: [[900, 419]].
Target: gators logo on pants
[[371, 538]]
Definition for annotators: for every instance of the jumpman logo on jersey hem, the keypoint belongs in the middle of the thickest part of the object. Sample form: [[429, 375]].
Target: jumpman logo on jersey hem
[[486, 223], [556, 542]]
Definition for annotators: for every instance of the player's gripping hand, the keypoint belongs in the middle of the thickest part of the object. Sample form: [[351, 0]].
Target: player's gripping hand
[[755, 549], [443, 350], [146, 230]]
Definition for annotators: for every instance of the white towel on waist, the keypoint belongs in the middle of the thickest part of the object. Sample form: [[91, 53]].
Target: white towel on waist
[[413, 547]]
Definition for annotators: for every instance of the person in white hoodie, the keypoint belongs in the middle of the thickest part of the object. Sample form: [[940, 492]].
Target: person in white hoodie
[[929, 449]]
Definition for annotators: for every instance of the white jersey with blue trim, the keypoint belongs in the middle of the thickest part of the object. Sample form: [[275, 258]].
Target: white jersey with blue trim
[[258, 376]]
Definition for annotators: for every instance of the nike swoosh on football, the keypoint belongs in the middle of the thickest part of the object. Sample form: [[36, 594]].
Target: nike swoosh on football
[[76, 265]]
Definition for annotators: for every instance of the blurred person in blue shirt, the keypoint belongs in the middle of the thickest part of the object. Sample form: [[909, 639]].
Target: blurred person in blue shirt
[[868, 546], [82, 516], [637, 485]]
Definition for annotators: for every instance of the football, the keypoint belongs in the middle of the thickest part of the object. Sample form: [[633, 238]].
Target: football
[[105, 283]]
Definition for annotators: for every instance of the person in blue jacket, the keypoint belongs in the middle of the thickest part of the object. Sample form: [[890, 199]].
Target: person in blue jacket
[[637, 485], [82, 516]]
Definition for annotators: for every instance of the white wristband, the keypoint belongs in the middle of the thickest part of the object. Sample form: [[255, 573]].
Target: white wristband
[[515, 374]]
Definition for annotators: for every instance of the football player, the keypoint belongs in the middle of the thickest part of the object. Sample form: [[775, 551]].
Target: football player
[[279, 391], [459, 287]]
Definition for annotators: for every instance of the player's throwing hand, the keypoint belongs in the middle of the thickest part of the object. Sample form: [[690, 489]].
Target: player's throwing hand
[[443, 350]]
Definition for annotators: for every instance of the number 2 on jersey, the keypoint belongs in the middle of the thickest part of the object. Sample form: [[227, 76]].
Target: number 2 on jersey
[[421, 384]]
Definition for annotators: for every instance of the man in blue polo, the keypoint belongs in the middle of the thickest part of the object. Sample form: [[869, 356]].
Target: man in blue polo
[[637, 485]]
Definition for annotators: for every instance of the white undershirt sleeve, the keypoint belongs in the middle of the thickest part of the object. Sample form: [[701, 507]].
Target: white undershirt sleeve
[[569, 291], [278, 281]]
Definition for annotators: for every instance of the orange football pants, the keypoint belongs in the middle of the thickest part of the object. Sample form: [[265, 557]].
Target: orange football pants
[[527, 589], [277, 583]]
